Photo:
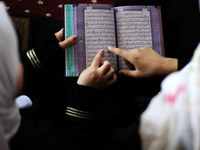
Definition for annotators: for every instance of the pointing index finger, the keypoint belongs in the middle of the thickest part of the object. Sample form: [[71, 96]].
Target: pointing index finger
[[97, 59], [119, 52]]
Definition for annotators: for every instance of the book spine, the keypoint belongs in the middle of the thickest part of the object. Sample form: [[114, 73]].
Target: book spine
[[115, 20]]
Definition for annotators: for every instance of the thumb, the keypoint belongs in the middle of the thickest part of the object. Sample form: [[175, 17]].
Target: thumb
[[67, 42], [130, 73], [59, 34]]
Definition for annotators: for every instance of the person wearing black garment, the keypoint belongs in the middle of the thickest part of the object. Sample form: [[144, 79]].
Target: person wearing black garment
[[77, 126], [43, 83], [45, 125]]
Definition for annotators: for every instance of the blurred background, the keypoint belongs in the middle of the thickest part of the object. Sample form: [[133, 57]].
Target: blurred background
[[49, 8]]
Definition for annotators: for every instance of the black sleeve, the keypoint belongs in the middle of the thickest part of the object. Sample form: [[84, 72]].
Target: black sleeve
[[79, 133], [83, 97], [76, 134], [29, 71], [49, 54]]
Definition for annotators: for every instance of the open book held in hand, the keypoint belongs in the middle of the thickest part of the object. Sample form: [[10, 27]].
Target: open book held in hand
[[98, 26]]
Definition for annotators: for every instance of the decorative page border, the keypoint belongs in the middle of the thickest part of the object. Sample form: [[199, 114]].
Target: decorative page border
[[69, 51]]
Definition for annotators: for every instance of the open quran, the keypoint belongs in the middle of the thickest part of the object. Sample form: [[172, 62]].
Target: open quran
[[98, 26]]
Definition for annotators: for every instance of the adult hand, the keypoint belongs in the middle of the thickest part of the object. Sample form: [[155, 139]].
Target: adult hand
[[99, 75], [146, 61], [67, 42]]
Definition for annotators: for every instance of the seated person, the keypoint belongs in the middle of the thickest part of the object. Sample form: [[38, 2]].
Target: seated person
[[79, 92], [11, 80]]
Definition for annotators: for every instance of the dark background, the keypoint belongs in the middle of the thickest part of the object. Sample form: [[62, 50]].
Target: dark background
[[51, 8]]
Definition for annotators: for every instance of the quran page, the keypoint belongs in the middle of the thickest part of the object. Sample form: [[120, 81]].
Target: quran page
[[138, 26], [94, 26], [99, 34]]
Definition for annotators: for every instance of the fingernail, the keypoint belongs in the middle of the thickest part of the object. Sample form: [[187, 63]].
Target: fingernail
[[102, 50], [74, 38]]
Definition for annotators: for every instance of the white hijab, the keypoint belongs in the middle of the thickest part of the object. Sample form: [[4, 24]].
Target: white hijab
[[9, 70]]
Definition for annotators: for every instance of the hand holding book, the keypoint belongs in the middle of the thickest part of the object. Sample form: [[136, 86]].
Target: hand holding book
[[67, 42]]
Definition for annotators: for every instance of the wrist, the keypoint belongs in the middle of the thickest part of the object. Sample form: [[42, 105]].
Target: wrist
[[169, 65]]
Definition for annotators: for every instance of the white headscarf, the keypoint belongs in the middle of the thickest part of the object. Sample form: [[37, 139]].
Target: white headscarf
[[9, 70], [177, 107]]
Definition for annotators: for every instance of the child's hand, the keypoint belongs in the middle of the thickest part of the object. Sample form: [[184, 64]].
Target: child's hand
[[99, 75]]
